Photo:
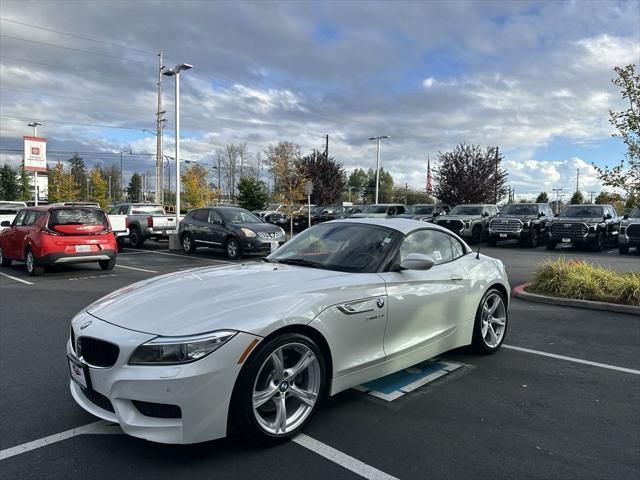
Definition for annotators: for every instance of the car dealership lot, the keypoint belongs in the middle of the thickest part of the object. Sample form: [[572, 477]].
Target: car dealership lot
[[515, 414]]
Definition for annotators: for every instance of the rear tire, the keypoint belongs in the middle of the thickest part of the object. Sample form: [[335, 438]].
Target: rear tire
[[107, 264], [532, 241], [136, 240], [33, 268], [232, 248], [4, 261], [283, 386], [551, 245], [490, 327], [188, 245]]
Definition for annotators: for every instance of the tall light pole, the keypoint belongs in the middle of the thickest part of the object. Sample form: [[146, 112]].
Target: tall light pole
[[175, 72], [35, 173], [121, 175], [378, 163]]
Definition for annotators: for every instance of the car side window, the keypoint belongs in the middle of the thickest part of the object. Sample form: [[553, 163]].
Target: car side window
[[200, 215], [31, 218], [400, 209], [214, 217], [428, 242], [392, 211], [456, 247], [19, 218], [114, 211]]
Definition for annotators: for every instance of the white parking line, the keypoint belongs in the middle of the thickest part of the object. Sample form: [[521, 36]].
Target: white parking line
[[342, 459], [136, 268], [100, 427], [104, 427], [188, 256], [575, 360], [16, 279]]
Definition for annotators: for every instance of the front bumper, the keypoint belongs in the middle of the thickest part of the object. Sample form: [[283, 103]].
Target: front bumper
[[588, 238], [202, 389], [260, 245], [626, 240]]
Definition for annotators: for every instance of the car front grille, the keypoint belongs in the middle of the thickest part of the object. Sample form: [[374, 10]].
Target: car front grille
[[97, 353], [158, 410], [569, 230], [99, 400], [633, 231], [454, 225], [269, 234], [506, 225]]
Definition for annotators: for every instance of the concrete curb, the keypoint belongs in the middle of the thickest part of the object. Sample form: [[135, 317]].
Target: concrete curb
[[519, 292]]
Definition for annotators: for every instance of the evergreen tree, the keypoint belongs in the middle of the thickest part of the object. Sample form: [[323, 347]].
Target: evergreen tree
[[252, 194], [99, 188], [56, 175], [79, 171], [134, 189], [327, 177], [577, 198], [24, 187], [9, 188], [542, 198]]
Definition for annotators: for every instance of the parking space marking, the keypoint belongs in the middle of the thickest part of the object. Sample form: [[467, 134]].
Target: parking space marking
[[136, 268], [16, 279], [342, 459], [99, 427], [188, 256], [575, 360]]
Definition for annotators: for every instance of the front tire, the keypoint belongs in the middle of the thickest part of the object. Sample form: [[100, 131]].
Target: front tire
[[476, 234], [188, 245], [232, 248], [598, 245], [279, 389], [532, 241], [33, 268], [107, 264], [490, 326], [4, 261], [551, 245]]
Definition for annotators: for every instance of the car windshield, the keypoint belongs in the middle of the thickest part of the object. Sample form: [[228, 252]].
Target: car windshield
[[635, 213], [520, 209], [345, 247], [466, 210], [376, 209], [421, 210], [147, 209], [238, 216], [77, 216], [582, 211], [272, 206]]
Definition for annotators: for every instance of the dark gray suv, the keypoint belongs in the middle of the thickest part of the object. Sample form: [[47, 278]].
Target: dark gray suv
[[235, 230]]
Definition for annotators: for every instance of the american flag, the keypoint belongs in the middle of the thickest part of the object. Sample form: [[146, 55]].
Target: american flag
[[429, 184]]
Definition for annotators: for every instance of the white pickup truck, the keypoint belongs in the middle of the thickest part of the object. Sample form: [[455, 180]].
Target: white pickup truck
[[145, 220], [9, 210]]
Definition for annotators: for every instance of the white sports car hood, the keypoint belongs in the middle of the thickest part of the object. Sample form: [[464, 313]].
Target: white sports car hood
[[251, 298]]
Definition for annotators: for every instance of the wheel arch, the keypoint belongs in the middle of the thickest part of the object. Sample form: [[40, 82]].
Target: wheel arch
[[502, 289]]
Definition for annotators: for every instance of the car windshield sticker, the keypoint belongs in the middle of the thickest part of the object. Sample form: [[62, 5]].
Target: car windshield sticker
[[437, 255], [386, 240]]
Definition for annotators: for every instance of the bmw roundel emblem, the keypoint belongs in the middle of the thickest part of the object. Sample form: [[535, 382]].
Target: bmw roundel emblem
[[380, 302], [86, 324]]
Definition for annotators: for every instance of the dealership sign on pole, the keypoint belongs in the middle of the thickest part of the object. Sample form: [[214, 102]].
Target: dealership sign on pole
[[35, 154]]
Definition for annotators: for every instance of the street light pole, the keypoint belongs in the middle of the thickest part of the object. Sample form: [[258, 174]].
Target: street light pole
[[378, 138], [175, 72], [121, 175]]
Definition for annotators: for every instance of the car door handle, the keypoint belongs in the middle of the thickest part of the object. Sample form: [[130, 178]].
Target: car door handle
[[456, 278]]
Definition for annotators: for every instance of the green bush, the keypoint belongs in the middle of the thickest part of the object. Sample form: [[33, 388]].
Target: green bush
[[584, 281]]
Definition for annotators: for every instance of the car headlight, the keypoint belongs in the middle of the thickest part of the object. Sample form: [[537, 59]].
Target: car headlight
[[593, 226], [176, 350], [282, 231], [248, 232]]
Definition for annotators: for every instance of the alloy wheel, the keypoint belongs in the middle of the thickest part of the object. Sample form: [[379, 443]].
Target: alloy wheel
[[232, 248], [30, 261], [186, 243], [493, 320], [286, 388]]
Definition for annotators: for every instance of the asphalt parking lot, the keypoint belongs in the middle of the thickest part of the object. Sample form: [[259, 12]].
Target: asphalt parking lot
[[561, 400]]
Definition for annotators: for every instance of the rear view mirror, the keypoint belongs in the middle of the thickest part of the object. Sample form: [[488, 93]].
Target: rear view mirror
[[5, 223], [417, 261]]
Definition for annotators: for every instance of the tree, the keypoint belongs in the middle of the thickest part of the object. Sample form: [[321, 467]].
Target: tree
[[469, 175], [24, 188], [197, 192], [252, 194], [577, 198], [611, 198], [99, 188], [55, 175], [69, 190], [542, 198], [112, 171], [411, 197], [79, 171], [385, 186], [134, 189], [357, 185], [279, 155], [290, 175], [9, 188], [626, 175], [327, 177]]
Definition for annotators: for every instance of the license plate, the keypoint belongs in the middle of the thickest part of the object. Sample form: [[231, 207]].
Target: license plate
[[83, 248], [274, 246], [566, 240], [79, 373], [503, 235]]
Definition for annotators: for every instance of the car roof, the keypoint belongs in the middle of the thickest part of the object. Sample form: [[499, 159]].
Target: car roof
[[402, 225]]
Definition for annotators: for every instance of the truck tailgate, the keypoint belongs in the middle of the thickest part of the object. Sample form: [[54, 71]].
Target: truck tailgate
[[164, 222], [118, 223]]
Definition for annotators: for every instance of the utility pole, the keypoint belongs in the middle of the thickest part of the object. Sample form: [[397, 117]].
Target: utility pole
[[592, 194], [406, 190], [495, 180], [110, 188], [557, 190], [578, 180], [159, 113], [326, 146]]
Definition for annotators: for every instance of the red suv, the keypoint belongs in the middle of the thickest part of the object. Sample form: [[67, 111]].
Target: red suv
[[48, 235]]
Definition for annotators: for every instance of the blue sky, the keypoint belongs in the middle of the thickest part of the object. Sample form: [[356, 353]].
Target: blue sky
[[531, 77]]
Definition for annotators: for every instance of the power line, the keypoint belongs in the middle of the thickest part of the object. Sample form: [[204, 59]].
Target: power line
[[81, 50], [71, 152], [75, 35], [44, 120], [31, 92]]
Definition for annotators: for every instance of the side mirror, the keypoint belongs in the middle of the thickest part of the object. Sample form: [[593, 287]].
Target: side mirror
[[626, 216], [485, 214], [608, 216], [435, 214], [542, 214], [6, 223], [417, 261]]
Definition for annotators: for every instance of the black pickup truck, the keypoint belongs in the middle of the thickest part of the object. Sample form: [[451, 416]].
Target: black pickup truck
[[592, 225], [526, 222]]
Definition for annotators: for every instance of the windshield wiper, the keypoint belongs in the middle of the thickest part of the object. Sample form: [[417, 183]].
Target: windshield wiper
[[301, 262]]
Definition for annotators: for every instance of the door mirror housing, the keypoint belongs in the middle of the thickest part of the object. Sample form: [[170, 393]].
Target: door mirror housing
[[6, 223], [626, 216], [608, 216], [417, 261], [542, 214], [485, 214]]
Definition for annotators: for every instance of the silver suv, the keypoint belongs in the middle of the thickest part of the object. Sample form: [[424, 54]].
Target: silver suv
[[469, 221]]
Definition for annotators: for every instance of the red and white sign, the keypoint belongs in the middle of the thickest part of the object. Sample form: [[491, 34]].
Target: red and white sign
[[35, 154]]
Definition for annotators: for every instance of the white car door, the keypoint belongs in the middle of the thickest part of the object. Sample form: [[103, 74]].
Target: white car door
[[425, 307]]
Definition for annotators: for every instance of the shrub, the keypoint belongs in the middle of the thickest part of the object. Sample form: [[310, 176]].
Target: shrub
[[585, 281]]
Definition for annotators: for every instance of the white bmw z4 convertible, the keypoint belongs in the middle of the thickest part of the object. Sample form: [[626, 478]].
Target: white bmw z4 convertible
[[253, 348]]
